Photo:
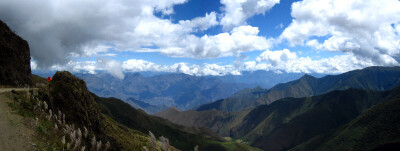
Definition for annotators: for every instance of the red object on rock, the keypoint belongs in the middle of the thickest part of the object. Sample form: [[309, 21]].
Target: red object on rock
[[48, 79]]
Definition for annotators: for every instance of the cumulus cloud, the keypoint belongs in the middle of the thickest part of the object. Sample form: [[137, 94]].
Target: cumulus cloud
[[240, 39], [287, 61], [367, 29], [33, 65], [277, 61], [276, 57], [238, 11], [73, 66], [134, 65], [113, 67], [200, 23], [364, 32], [58, 30]]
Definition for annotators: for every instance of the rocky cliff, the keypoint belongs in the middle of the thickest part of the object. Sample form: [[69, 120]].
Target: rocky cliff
[[15, 69]]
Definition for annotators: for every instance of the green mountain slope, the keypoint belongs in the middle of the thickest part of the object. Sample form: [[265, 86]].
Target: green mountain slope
[[292, 121], [375, 128], [243, 99], [74, 109], [180, 137], [218, 121], [110, 119], [139, 120], [301, 123]]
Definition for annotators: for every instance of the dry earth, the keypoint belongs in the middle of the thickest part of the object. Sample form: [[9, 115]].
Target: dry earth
[[15, 132]]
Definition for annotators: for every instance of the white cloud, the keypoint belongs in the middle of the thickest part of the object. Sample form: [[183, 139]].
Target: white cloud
[[58, 30], [238, 11], [278, 61], [253, 66], [280, 26], [83, 66], [113, 67], [366, 32], [33, 65], [240, 39], [165, 6], [200, 23], [94, 50], [287, 61], [134, 65], [276, 57], [363, 28]]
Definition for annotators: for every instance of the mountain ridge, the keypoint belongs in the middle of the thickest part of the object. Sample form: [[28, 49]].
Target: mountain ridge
[[373, 78], [170, 90]]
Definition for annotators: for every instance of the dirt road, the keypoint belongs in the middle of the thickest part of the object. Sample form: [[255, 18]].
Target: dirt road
[[15, 135]]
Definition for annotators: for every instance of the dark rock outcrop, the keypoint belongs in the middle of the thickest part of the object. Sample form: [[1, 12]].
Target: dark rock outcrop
[[70, 95], [15, 69]]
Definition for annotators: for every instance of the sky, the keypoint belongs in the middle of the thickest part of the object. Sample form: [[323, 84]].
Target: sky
[[207, 37]]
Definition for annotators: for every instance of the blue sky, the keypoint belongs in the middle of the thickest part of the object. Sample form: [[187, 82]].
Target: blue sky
[[207, 37]]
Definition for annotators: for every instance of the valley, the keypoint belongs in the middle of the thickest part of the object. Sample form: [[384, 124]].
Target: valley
[[156, 92], [294, 121]]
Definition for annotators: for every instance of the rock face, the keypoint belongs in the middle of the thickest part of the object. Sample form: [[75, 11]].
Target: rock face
[[15, 69], [70, 95]]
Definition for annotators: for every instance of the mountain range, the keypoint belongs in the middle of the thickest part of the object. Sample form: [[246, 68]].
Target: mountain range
[[371, 78], [299, 123], [154, 92], [305, 123], [161, 91]]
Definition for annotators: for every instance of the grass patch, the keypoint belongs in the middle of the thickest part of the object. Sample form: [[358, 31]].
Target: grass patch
[[45, 137]]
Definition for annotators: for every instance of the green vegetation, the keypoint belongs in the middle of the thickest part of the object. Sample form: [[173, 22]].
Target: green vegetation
[[290, 122], [50, 133], [308, 123], [243, 99], [46, 137], [378, 125], [238, 146], [38, 81], [53, 131], [65, 108], [181, 137]]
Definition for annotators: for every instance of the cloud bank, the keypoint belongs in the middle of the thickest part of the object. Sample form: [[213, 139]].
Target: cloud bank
[[58, 30], [238, 11], [367, 29], [362, 33]]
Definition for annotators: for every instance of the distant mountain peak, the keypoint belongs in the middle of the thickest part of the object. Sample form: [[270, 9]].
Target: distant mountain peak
[[307, 76], [371, 78]]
